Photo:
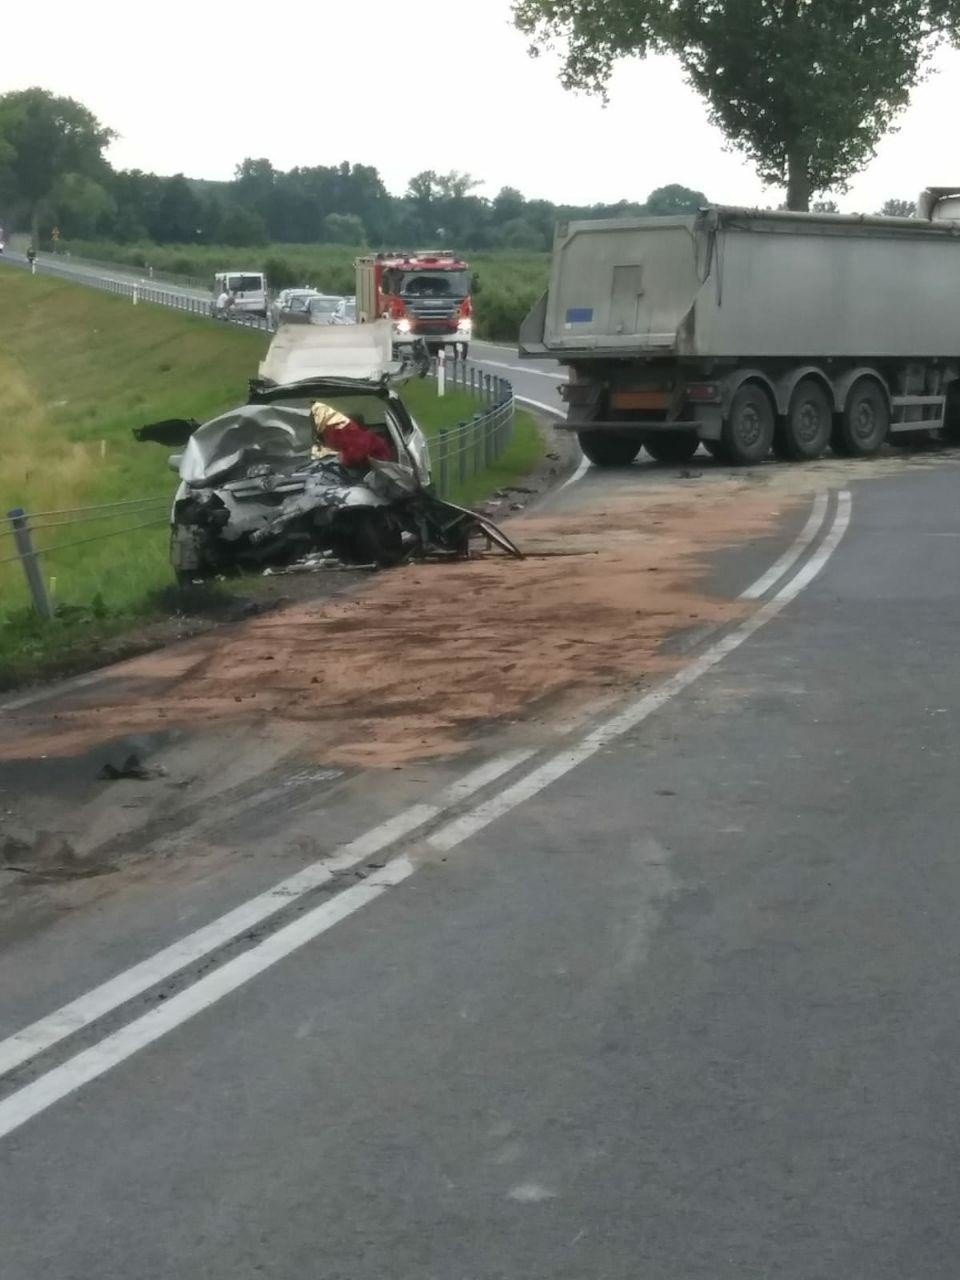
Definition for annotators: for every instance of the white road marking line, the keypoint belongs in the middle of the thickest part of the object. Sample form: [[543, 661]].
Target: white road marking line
[[522, 368], [792, 554], [580, 472], [113, 1049], [62, 686], [555, 410], [110, 995], [460, 829], [584, 465], [87, 1065], [497, 346]]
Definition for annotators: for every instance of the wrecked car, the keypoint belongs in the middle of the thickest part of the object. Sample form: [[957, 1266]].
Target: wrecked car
[[253, 492]]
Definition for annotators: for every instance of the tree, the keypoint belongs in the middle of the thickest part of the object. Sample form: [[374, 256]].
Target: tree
[[898, 209], [507, 205], [824, 206], [179, 214], [344, 228], [241, 227], [81, 207], [254, 182], [42, 140], [804, 88], [518, 233], [674, 199]]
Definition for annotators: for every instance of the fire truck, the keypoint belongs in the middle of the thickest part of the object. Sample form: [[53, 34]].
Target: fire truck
[[426, 295]]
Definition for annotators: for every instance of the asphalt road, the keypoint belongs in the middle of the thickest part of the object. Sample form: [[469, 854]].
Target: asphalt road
[[536, 382], [680, 1000]]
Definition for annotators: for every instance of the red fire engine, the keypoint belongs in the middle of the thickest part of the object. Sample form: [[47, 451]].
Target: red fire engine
[[425, 294]]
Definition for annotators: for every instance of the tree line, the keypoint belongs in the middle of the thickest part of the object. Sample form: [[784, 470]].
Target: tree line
[[54, 174]]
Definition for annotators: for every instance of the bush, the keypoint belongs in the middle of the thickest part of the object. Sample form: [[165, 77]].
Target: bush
[[499, 313], [280, 274]]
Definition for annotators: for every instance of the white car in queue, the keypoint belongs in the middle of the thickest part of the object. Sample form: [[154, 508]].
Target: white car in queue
[[239, 293]]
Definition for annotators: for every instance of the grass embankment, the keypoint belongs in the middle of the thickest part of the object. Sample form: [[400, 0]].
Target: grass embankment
[[78, 370], [509, 281]]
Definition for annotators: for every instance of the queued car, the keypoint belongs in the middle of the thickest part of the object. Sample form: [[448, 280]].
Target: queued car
[[290, 300], [311, 308], [324, 309]]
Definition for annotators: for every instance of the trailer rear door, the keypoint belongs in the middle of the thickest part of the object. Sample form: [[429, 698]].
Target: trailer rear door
[[628, 283]]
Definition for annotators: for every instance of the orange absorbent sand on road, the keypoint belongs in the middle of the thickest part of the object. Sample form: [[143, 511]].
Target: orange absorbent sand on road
[[422, 657]]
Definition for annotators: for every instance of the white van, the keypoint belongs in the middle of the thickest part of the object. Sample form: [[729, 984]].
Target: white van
[[246, 291]]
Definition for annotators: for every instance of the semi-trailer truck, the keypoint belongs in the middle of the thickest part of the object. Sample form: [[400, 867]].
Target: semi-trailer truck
[[749, 330]]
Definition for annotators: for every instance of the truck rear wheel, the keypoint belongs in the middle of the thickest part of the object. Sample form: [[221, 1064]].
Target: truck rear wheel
[[863, 426], [805, 431], [748, 427], [671, 447], [610, 448]]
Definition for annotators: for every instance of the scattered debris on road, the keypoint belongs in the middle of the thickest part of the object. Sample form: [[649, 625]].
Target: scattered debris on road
[[132, 767], [391, 672]]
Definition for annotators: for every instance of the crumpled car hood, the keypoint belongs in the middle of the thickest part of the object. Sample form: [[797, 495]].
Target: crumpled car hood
[[272, 434]]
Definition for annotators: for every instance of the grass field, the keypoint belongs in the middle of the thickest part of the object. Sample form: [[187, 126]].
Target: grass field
[[509, 281], [78, 370]]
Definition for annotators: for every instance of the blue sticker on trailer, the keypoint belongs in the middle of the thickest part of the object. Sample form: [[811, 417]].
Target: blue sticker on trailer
[[579, 315]]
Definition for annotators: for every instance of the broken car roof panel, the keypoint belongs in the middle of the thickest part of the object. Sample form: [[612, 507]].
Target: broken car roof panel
[[300, 352]]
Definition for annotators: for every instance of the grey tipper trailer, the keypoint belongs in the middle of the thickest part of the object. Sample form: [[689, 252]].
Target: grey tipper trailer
[[750, 330]]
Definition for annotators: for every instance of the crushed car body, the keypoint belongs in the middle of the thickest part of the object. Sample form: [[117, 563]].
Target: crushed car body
[[258, 486]]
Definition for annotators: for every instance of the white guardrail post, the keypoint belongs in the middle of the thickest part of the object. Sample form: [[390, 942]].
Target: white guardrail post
[[29, 558]]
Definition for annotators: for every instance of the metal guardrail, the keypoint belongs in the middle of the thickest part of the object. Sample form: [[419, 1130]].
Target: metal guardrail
[[460, 452], [154, 275]]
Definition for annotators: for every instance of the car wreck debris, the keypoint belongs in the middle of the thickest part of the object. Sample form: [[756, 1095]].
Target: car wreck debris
[[328, 463]]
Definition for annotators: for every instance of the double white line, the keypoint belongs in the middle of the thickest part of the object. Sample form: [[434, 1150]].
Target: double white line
[[59, 1081]]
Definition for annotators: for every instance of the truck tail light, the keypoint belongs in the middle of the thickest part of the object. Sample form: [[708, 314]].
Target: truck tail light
[[704, 392]]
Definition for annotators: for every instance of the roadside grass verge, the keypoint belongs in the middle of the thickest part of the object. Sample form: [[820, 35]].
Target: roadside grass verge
[[78, 370]]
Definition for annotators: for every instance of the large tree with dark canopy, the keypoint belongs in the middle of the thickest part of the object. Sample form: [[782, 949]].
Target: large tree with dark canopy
[[804, 88], [43, 141]]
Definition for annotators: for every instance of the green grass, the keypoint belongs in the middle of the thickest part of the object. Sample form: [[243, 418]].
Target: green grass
[[510, 281], [78, 370]]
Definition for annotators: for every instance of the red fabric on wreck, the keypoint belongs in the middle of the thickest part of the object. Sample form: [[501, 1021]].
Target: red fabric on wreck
[[356, 445]]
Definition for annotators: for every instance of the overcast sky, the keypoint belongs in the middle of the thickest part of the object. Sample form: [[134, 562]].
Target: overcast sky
[[425, 84]]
